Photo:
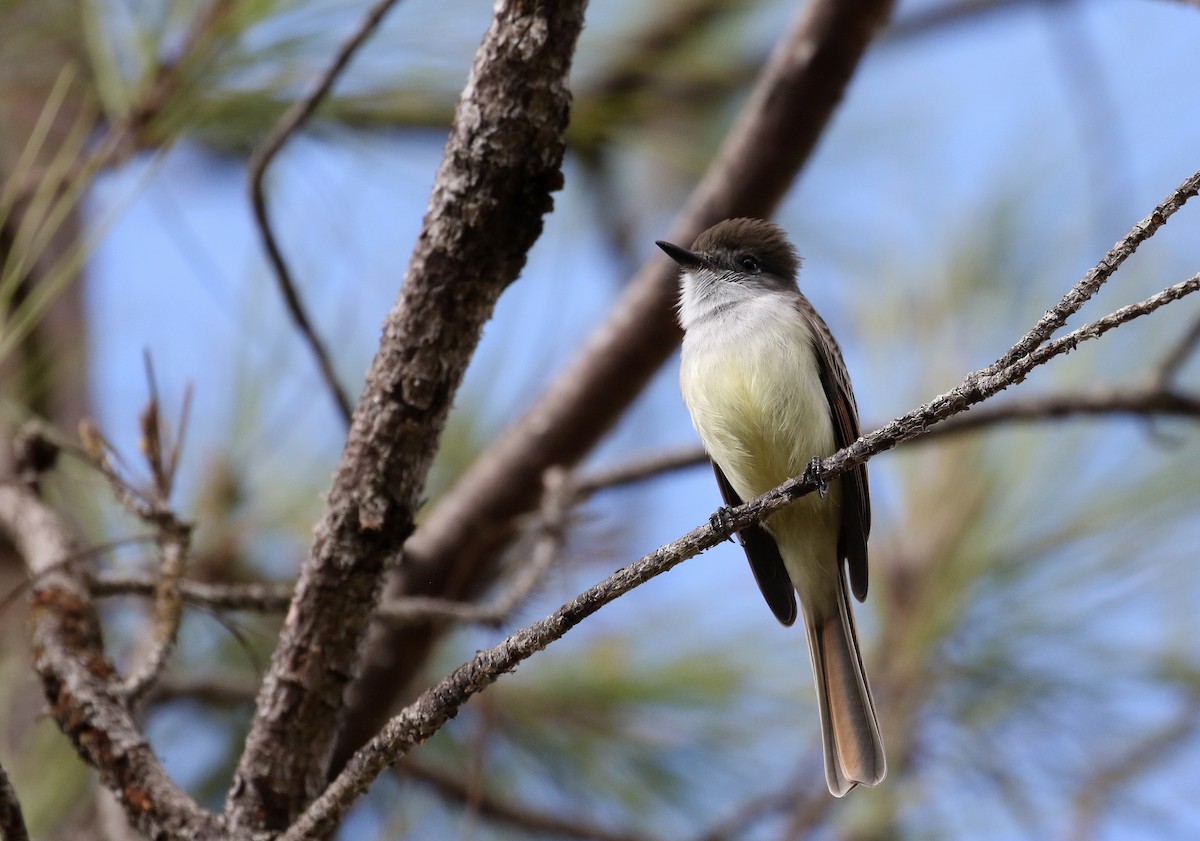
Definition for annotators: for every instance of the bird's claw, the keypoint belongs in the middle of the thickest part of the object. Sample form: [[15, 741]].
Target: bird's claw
[[815, 474], [722, 522]]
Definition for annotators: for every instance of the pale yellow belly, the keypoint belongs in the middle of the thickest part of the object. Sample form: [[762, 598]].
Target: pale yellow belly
[[762, 414]]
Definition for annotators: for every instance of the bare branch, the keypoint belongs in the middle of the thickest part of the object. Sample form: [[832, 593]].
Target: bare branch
[[454, 553], [12, 820], [440, 703], [1100, 326], [172, 536], [421, 719], [1087, 287], [79, 678], [1144, 401], [1147, 401], [502, 161], [264, 598], [262, 157], [452, 787]]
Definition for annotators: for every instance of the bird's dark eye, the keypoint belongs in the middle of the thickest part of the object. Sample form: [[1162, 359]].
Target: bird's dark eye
[[748, 263]]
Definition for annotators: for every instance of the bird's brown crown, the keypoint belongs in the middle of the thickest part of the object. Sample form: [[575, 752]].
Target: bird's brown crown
[[727, 242]]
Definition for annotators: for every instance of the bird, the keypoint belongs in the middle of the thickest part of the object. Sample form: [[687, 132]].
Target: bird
[[769, 395]]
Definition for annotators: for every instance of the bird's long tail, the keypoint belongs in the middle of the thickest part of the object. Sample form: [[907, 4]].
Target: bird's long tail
[[849, 730]]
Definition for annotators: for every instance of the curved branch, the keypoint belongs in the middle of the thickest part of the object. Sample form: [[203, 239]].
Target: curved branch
[[453, 554], [501, 164], [80, 680], [262, 157]]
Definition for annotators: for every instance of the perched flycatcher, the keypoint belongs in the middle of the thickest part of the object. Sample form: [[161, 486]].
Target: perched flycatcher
[[768, 391]]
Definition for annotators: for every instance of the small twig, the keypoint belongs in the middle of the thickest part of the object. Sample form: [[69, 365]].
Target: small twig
[[1100, 326], [558, 497], [1082, 291], [262, 157], [453, 787], [262, 598], [1151, 400], [12, 820], [1145, 401], [173, 542], [172, 535]]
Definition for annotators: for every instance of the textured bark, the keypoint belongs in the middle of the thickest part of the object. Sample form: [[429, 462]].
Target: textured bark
[[501, 163], [79, 679], [453, 554]]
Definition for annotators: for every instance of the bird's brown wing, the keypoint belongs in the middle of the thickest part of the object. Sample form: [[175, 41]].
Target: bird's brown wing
[[765, 561], [856, 494]]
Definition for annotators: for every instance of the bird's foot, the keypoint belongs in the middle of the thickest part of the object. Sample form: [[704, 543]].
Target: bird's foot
[[722, 522], [815, 473]]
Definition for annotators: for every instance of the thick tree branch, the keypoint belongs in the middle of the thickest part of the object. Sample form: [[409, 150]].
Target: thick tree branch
[[453, 554], [80, 680], [501, 164], [262, 157]]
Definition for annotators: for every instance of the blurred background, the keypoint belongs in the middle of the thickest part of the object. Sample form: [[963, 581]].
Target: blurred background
[[1032, 628]]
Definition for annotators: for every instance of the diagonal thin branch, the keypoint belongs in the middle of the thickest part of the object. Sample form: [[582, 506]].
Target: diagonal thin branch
[[1083, 291], [262, 157], [441, 702], [1144, 401], [502, 162], [453, 555], [1100, 326]]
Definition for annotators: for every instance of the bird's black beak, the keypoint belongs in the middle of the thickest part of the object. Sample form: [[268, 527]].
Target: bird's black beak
[[686, 259]]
